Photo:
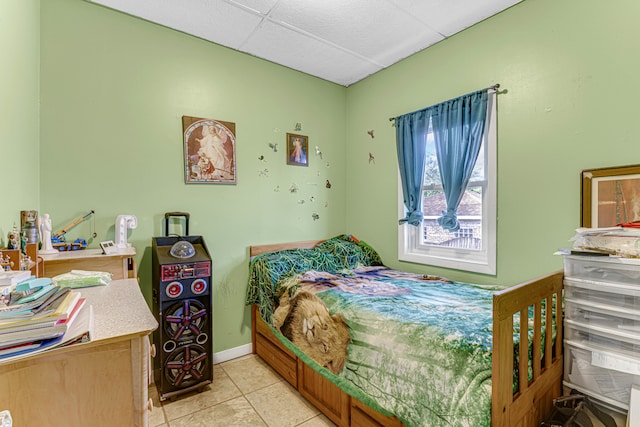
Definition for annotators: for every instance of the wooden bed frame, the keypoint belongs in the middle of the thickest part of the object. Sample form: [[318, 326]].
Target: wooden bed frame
[[531, 404]]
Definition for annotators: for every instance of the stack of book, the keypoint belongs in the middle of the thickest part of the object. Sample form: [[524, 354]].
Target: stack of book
[[11, 277], [37, 315]]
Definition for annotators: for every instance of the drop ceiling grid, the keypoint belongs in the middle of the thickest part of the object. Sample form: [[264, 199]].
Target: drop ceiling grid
[[364, 27], [336, 40], [307, 54], [449, 17]]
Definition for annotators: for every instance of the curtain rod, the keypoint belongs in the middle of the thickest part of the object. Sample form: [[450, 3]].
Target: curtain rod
[[494, 87]]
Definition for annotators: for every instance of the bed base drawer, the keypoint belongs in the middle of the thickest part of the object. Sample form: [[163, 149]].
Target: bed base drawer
[[363, 416], [325, 395], [263, 329], [278, 360], [334, 403]]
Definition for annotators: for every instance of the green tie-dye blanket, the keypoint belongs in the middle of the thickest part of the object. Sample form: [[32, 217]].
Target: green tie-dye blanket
[[420, 346]]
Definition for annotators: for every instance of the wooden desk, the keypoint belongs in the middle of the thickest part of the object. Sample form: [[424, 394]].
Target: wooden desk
[[100, 383], [121, 265]]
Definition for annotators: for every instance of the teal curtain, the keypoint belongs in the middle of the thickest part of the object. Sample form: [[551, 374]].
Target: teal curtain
[[458, 127], [411, 141]]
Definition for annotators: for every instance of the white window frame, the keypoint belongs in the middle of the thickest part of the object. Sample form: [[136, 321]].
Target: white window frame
[[483, 261]]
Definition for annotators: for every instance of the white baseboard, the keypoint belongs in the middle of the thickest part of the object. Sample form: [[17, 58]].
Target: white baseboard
[[232, 353]]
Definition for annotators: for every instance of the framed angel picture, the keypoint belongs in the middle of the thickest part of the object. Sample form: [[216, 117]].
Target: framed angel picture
[[209, 151]]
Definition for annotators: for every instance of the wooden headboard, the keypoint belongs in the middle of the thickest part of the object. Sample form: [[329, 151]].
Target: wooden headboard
[[261, 249]]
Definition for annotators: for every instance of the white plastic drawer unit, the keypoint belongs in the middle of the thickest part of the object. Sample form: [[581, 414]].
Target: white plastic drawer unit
[[602, 314], [578, 333], [605, 374], [603, 269], [617, 338], [625, 298], [602, 327]]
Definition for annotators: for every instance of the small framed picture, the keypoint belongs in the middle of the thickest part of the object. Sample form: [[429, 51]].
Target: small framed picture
[[610, 196], [297, 150]]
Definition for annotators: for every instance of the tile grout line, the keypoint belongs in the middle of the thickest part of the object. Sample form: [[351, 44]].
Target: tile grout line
[[243, 394], [245, 397], [279, 380]]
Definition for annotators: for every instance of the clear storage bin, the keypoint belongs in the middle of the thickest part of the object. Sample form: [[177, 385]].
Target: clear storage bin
[[622, 296], [604, 315], [607, 375], [602, 338], [606, 269]]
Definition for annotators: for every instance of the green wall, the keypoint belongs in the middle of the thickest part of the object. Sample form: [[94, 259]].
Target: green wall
[[19, 110], [569, 90], [114, 89]]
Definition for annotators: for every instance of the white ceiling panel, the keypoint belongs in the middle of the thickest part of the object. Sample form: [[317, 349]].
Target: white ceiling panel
[[212, 20], [406, 47], [306, 54], [452, 16], [336, 40], [360, 26]]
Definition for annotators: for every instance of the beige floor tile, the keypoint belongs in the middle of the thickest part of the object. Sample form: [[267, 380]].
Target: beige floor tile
[[280, 405], [238, 359], [244, 392], [319, 421], [222, 389], [235, 412], [250, 373], [156, 416]]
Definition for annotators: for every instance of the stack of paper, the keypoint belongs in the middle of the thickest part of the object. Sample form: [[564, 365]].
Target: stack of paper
[[38, 315], [620, 241]]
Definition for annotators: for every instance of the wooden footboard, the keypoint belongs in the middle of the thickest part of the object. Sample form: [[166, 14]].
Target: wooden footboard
[[533, 400], [530, 404]]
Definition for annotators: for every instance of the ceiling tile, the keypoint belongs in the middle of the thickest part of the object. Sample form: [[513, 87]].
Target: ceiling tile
[[307, 54], [452, 16], [337, 40], [370, 28], [213, 20], [403, 48]]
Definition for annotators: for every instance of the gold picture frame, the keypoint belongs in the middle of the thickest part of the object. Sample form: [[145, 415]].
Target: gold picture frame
[[209, 151], [297, 150], [610, 196]]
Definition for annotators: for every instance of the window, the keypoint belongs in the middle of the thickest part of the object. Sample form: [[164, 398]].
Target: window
[[473, 246]]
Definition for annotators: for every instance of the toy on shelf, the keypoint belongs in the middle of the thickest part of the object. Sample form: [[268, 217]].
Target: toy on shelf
[[28, 226], [13, 238], [5, 262], [59, 242], [44, 224], [16, 260]]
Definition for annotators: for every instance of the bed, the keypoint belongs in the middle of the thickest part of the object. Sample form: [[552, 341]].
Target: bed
[[450, 357]]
